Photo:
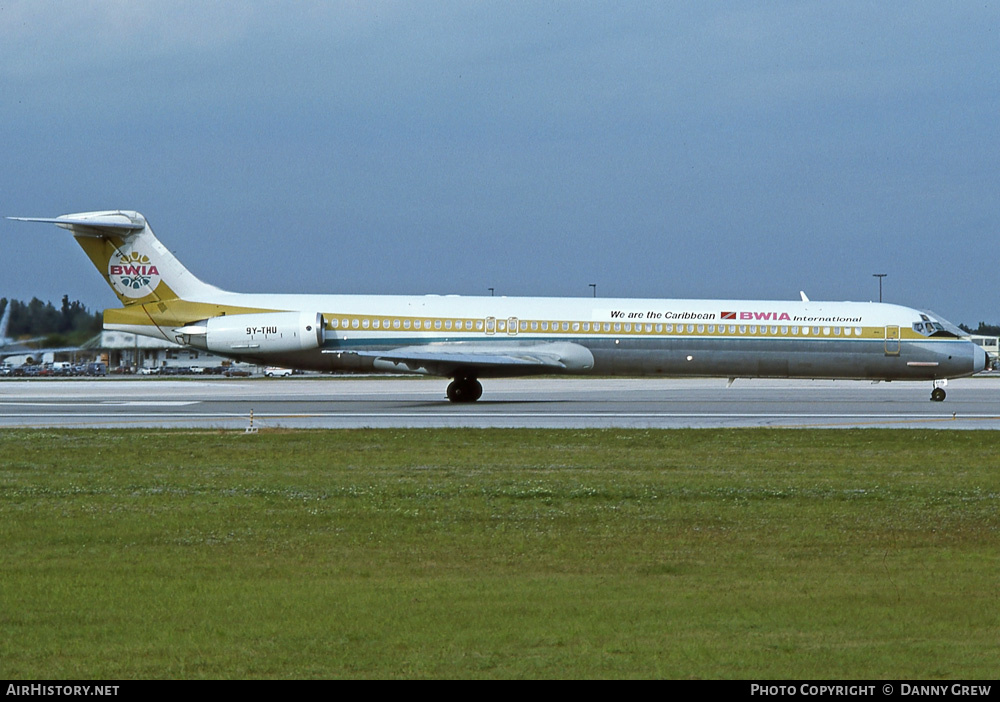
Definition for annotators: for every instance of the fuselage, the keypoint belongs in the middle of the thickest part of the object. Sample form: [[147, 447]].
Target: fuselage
[[727, 338]]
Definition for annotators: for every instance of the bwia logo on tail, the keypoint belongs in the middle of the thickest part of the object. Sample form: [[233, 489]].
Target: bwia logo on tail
[[133, 274]]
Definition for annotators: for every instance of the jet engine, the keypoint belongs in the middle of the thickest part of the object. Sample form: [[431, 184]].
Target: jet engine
[[263, 332]]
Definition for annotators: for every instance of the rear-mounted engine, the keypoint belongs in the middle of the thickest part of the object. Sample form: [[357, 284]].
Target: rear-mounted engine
[[263, 332]]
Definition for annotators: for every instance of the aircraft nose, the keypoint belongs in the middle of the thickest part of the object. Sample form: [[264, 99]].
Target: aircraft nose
[[979, 359]]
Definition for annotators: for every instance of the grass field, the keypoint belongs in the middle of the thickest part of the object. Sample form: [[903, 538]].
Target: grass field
[[499, 554]]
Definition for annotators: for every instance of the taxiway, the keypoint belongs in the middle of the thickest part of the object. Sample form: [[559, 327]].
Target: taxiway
[[973, 403]]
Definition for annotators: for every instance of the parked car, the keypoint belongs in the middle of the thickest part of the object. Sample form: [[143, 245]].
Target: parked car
[[275, 372], [233, 372]]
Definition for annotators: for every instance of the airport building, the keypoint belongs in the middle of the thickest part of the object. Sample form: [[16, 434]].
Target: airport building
[[990, 344], [121, 349]]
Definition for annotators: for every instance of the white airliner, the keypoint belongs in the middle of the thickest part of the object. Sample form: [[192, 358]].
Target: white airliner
[[469, 338]]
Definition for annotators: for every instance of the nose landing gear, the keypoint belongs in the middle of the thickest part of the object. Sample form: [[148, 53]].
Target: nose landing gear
[[938, 393]]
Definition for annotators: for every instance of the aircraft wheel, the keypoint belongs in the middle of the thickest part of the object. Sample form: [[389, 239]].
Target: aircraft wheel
[[464, 390], [937, 395]]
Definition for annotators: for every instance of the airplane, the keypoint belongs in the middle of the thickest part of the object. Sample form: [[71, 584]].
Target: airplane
[[471, 338]]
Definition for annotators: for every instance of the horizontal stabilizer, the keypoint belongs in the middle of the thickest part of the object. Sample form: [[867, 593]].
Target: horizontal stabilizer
[[114, 222]]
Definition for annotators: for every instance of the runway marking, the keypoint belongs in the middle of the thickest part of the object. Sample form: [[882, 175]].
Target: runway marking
[[104, 403]]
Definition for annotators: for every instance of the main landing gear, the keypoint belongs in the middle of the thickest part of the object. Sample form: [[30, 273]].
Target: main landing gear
[[464, 390]]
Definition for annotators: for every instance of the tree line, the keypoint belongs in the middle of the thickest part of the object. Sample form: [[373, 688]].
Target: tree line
[[71, 324], [983, 329]]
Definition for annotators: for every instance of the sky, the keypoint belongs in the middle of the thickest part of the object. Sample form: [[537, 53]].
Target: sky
[[728, 150]]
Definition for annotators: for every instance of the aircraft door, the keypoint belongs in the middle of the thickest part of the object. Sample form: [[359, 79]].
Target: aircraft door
[[891, 340]]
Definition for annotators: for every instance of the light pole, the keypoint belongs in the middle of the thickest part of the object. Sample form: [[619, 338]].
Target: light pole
[[880, 276], [491, 291]]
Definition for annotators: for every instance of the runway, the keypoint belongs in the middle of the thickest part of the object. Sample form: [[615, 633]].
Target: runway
[[972, 403]]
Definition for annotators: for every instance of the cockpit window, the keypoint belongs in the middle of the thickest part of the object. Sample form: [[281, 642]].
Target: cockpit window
[[931, 329]]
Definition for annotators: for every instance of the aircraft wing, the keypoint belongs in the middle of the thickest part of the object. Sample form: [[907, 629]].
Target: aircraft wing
[[453, 359]]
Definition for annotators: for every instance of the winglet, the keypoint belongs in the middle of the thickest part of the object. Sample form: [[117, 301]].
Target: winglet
[[804, 298]]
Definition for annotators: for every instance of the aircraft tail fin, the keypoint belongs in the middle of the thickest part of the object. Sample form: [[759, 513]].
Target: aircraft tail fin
[[132, 260], [5, 322]]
